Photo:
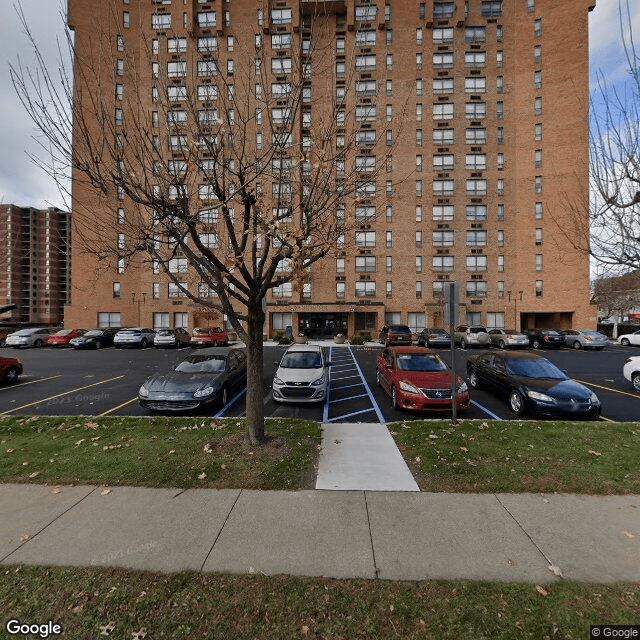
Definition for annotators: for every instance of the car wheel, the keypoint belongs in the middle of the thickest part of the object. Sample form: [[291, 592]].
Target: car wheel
[[378, 382], [516, 402], [37, 343], [635, 380], [394, 397], [536, 343], [473, 379], [502, 344], [576, 344], [144, 343], [625, 342], [11, 375]]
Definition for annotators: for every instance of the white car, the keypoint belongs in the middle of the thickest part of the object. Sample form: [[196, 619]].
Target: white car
[[34, 337], [302, 375], [630, 338], [631, 371], [134, 337]]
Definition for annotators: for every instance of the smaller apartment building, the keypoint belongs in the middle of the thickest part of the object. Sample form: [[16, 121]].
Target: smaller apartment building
[[34, 264]]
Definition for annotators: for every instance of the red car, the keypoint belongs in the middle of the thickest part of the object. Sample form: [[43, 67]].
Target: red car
[[209, 337], [63, 337], [10, 369], [417, 379]]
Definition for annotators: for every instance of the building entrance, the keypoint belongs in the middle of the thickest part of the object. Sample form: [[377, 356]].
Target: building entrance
[[322, 325]]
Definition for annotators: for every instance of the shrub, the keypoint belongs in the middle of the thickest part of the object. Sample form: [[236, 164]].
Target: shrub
[[360, 338]]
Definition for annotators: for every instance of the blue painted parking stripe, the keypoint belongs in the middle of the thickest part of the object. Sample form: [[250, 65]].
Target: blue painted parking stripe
[[350, 415], [362, 395], [230, 404], [493, 415]]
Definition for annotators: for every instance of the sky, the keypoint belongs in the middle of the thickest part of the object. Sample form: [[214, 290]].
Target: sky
[[23, 183]]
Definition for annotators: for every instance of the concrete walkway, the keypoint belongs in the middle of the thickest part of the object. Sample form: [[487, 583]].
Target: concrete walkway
[[342, 534], [362, 456]]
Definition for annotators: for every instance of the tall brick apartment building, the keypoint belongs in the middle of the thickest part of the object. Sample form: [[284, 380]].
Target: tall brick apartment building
[[34, 264], [478, 110]]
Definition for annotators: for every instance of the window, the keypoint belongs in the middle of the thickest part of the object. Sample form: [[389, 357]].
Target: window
[[161, 21], [475, 85], [472, 35], [491, 8], [120, 265], [280, 65], [443, 136], [365, 213], [499, 110], [476, 238], [538, 210], [119, 91], [366, 113], [537, 131], [119, 67], [389, 289], [443, 60], [365, 63], [500, 186], [443, 212], [418, 294], [500, 289], [500, 263], [418, 239], [419, 61], [500, 214], [389, 213], [539, 288], [441, 264], [442, 239], [389, 112], [389, 87], [475, 136], [500, 135], [119, 117], [207, 44], [442, 86], [365, 238], [120, 43], [476, 212], [500, 161], [495, 320], [476, 263], [365, 87], [365, 138], [537, 155], [443, 35], [365, 289], [537, 106], [176, 45], [340, 289], [476, 289], [538, 184], [126, 19], [475, 162], [538, 262], [538, 236], [365, 264], [474, 59], [418, 264], [419, 163], [476, 187], [537, 28], [531, 6], [500, 59], [537, 53], [500, 238], [443, 162], [284, 290], [475, 110], [388, 137], [176, 69], [442, 111], [389, 264], [230, 67], [537, 79], [418, 188], [106, 319], [389, 239], [116, 290], [442, 10]]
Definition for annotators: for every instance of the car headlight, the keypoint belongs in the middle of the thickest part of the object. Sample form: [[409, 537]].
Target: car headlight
[[143, 391], [319, 382], [463, 388], [277, 380], [542, 397], [201, 393], [407, 387], [594, 398]]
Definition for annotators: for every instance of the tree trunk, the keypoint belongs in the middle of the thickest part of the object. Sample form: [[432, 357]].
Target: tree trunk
[[255, 376]]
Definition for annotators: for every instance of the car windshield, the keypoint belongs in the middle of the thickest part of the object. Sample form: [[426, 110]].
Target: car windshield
[[541, 368], [549, 332], [24, 332], [165, 332], [202, 364], [91, 334], [301, 360], [419, 362], [130, 332], [440, 332], [477, 330], [63, 332], [398, 328], [200, 332]]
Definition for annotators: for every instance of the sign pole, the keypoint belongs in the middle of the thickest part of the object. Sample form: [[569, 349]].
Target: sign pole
[[451, 308]]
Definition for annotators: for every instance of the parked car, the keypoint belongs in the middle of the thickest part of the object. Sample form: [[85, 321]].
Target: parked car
[[134, 337], [417, 379], [584, 339], [94, 339], [33, 337], [631, 371], [10, 369], [395, 334], [201, 379], [471, 336], [63, 337], [531, 383], [434, 338], [544, 338], [504, 338], [209, 337], [302, 375], [171, 338], [630, 338]]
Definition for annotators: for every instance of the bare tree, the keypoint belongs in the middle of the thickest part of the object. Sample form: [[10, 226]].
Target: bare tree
[[239, 176], [615, 163]]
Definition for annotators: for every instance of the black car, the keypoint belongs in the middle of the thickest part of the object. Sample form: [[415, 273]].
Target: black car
[[544, 338], [395, 334], [533, 384], [202, 379], [434, 338], [94, 339]]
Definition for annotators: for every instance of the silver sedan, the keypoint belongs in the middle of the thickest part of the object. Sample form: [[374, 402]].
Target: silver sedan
[[504, 338], [585, 339]]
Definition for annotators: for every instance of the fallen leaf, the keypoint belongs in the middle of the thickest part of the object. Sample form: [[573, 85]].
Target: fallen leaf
[[593, 453], [223, 466], [10, 450], [202, 476], [77, 608], [207, 448], [25, 463], [105, 492], [80, 441], [25, 538], [464, 449], [34, 474], [56, 490], [417, 458], [433, 436], [172, 451], [541, 590], [555, 570], [91, 425], [337, 441], [304, 630], [626, 534]]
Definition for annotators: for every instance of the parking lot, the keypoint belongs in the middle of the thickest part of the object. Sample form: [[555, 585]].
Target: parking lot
[[106, 382]]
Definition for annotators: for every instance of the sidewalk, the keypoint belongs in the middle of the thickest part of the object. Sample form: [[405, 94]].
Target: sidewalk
[[341, 534]]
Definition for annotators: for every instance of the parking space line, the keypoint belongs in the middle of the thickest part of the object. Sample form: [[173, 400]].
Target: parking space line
[[362, 395], [355, 413], [24, 384], [230, 404], [120, 406], [59, 395], [599, 386], [490, 413]]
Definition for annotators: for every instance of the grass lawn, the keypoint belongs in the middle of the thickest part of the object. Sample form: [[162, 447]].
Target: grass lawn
[[92, 603], [157, 452], [522, 456]]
